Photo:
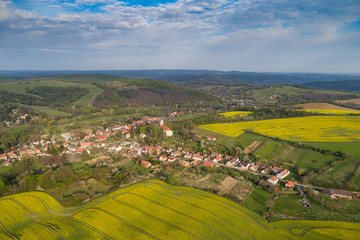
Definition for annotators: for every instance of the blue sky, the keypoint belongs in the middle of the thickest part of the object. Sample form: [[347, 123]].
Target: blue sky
[[244, 35]]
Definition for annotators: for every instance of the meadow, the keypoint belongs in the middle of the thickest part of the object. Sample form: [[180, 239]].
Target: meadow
[[236, 114], [152, 210], [50, 111], [310, 129], [23, 86]]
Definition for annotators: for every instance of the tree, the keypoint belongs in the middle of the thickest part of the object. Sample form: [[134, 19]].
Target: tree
[[3, 188], [63, 173], [47, 180]]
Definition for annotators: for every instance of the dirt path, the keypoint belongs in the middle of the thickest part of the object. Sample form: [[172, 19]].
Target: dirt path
[[91, 100]]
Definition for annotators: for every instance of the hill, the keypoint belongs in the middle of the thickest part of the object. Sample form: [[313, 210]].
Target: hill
[[198, 76], [348, 85], [152, 210], [135, 92]]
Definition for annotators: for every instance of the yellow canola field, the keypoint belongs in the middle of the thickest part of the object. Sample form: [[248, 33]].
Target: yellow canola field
[[331, 111], [153, 210], [237, 113], [311, 129]]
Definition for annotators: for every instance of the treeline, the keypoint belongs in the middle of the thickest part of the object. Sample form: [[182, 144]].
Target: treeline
[[58, 96], [48, 96], [144, 92]]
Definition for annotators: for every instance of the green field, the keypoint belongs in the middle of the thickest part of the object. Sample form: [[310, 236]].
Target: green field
[[257, 201], [21, 88], [310, 129], [152, 210], [50, 111], [326, 208]]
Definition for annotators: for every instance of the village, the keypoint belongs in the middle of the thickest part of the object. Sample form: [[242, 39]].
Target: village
[[99, 142]]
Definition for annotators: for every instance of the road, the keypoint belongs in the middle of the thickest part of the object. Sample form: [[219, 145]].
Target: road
[[267, 176]]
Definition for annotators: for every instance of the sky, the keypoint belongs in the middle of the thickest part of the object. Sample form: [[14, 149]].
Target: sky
[[245, 35]]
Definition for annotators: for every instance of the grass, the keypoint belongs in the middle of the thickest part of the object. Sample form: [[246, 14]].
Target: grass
[[21, 88], [257, 201], [291, 206], [237, 114], [152, 209], [50, 111], [352, 148], [311, 129]]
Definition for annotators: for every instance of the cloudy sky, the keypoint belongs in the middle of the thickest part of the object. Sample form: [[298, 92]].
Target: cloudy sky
[[244, 35]]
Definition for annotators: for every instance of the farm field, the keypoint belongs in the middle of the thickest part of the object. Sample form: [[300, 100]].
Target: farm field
[[152, 209], [355, 101], [236, 114], [326, 108], [22, 87], [50, 111], [310, 129]]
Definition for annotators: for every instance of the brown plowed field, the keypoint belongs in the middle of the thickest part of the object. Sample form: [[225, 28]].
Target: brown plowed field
[[323, 106], [355, 100]]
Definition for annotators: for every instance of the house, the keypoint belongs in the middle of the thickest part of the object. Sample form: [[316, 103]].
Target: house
[[215, 154], [6, 164], [277, 170], [163, 158], [217, 159], [188, 156], [117, 147], [91, 135], [208, 164], [12, 155], [171, 159], [253, 168], [228, 157], [335, 193], [283, 174], [176, 153], [101, 137], [86, 145], [232, 161], [167, 131], [128, 135], [210, 138], [244, 165], [142, 135], [198, 157], [289, 184], [145, 164], [100, 145], [273, 180], [266, 170], [3, 157]]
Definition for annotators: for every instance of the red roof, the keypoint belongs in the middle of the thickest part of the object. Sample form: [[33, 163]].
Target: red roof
[[165, 128], [273, 178], [290, 183], [145, 163], [208, 164]]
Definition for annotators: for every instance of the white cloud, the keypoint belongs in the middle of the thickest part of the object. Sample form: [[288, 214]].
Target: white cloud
[[187, 34]]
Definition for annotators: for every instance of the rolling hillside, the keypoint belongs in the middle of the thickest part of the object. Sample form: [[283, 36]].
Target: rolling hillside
[[135, 92], [152, 210]]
